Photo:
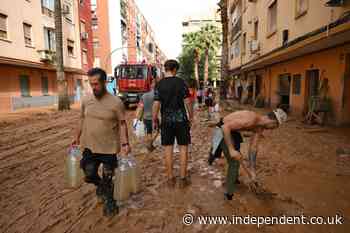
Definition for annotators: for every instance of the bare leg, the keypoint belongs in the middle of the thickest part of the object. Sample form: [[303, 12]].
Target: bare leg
[[168, 150], [183, 161]]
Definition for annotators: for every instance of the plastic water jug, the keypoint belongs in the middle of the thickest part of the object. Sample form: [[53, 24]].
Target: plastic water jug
[[135, 179], [122, 181], [73, 173]]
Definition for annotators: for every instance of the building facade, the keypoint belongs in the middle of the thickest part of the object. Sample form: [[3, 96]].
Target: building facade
[[27, 52], [122, 35], [287, 52], [86, 36]]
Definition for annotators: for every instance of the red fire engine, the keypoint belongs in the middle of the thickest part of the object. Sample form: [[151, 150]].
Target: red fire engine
[[134, 80]]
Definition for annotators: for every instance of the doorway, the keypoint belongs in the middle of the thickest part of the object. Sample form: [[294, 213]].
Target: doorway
[[284, 91], [78, 90], [311, 86], [346, 91]]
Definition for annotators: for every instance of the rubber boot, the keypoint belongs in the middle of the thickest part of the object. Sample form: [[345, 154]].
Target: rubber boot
[[110, 208], [100, 194]]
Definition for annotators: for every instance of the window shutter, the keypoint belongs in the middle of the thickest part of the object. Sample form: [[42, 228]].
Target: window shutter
[[27, 30], [3, 23]]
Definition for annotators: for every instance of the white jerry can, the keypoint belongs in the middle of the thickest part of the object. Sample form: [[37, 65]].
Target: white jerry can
[[73, 172], [122, 185], [135, 179]]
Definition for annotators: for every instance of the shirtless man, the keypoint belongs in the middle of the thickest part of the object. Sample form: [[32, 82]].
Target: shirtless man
[[227, 138]]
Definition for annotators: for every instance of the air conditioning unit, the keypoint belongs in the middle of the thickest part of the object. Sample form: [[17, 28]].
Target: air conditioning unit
[[254, 46], [45, 55], [84, 35]]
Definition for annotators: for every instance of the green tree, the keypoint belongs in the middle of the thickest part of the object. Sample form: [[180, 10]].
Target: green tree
[[199, 51]]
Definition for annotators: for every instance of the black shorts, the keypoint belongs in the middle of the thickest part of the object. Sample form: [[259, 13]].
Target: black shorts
[[199, 99], [148, 126], [178, 130], [209, 102]]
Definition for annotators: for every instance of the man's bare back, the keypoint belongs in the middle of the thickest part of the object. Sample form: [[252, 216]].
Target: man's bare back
[[242, 120]]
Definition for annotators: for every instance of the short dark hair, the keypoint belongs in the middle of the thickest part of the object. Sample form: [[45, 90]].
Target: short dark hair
[[98, 72], [171, 65], [271, 116]]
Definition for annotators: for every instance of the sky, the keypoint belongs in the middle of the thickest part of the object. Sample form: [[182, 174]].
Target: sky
[[166, 16]]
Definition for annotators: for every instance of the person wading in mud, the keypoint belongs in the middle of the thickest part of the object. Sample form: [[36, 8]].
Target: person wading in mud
[[227, 139], [170, 96], [102, 133], [144, 112]]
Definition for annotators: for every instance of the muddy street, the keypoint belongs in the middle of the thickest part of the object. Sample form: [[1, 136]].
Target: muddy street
[[298, 173]]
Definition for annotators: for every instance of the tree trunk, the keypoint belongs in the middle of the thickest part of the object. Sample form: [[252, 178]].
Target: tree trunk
[[206, 66], [224, 58], [62, 87], [196, 64]]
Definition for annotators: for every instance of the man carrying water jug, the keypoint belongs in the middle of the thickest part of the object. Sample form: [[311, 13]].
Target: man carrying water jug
[[102, 134]]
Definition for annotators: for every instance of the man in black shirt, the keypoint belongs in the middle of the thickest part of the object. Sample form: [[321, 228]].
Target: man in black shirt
[[170, 97]]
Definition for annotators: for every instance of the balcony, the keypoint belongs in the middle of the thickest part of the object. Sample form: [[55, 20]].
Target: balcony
[[46, 56]]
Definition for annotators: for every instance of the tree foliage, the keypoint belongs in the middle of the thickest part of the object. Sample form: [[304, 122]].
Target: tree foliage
[[194, 46]]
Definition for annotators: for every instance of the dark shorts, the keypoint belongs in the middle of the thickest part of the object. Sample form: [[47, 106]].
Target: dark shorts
[[91, 162], [199, 99], [178, 130], [209, 102], [148, 126]]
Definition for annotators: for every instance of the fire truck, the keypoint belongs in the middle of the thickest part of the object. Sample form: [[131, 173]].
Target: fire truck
[[134, 80]]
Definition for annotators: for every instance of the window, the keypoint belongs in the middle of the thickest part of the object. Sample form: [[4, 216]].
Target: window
[[27, 31], [24, 85], [97, 62], [50, 41], [84, 55], [3, 26], [272, 18], [256, 30], [94, 23], [82, 27], [301, 7], [244, 43], [45, 85], [68, 12], [70, 47], [296, 84], [48, 7], [96, 43]]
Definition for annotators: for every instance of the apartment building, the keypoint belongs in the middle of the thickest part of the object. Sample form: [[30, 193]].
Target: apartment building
[[27, 52], [122, 34], [86, 37], [284, 51]]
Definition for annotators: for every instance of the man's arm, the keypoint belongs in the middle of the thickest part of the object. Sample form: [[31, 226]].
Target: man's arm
[[155, 112], [189, 109], [139, 111], [227, 129], [253, 148]]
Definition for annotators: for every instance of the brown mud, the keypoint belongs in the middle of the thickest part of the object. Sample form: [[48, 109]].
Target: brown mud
[[298, 173]]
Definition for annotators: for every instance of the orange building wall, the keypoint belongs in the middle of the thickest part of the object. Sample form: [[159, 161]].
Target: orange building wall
[[102, 33], [10, 84], [331, 65]]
